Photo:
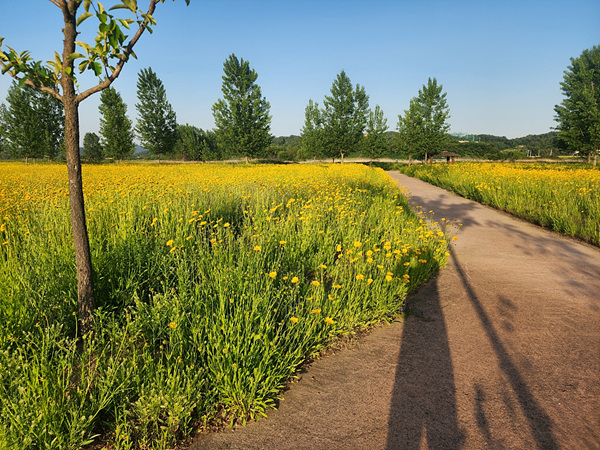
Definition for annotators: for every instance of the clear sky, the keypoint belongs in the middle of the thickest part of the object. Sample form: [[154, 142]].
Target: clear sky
[[499, 61]]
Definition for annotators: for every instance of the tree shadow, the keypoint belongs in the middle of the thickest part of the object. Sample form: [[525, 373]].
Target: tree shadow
[[537, 419], [424, 397]]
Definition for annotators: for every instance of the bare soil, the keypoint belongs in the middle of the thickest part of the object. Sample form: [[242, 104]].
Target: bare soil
[[506, 355]]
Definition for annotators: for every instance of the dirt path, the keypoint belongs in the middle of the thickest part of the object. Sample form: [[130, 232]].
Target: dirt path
[[509, 359]]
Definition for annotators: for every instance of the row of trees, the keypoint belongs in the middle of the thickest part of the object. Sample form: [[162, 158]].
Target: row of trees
[[32, 123]]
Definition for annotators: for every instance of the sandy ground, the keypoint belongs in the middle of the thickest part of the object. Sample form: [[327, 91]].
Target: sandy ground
[[508, 356]]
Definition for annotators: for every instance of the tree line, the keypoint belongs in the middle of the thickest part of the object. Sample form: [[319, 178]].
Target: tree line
[[32, 123]]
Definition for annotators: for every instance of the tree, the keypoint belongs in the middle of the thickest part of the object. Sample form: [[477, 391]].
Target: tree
[[106, 58], [33, 123], [409, 132], [92, 149], [115, 127], [157, 124], [578, 115], [195, 144], [242, 117], [312, 132], [424, 127], [344, 116], [375, 143]]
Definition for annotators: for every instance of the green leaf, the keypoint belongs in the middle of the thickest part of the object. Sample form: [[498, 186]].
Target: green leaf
[[84, 16], [125, 23], [84, 46], [75, 55], [86, 5], [121, 6], [97, 68], [68, 70], [101, 9], [83, 65]]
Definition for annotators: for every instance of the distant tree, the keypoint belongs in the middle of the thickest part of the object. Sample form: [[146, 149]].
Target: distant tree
[[424, 125], [410, 133], [3, 140], [376, 143], [115, 126], [313, 137], [344, 116], [92, 149], [578, 115], [33, 123], [242, 117], [157, 124], [195, 144], [106, 58]]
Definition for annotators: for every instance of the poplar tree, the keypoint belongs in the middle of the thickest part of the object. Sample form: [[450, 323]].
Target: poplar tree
[[157, 124], [105, 57], [312, 133], [344, 116], [92, 148], [375, 143], [33, 123], [578, 115], [242, 119], [424, 125], [115, 127]]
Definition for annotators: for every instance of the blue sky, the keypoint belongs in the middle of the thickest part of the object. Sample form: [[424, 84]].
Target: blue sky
[[500, 62]]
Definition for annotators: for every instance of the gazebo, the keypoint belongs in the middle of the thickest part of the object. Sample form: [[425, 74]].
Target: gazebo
[[449, 157]]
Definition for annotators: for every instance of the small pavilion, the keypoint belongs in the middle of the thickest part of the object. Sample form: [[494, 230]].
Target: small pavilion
[[449, 157]]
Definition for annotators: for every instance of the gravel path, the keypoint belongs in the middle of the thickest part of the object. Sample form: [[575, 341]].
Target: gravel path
[[508, 356]]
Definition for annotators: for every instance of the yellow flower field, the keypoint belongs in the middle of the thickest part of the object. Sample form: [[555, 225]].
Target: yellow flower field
[[564, 198], [213, 283]]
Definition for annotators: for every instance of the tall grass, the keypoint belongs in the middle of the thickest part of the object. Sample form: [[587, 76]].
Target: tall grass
[[564, 198], [214, 283]]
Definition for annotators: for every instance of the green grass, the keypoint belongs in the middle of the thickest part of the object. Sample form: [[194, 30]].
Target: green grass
[[214, 283]]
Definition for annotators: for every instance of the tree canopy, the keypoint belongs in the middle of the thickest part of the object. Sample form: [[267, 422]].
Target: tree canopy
[[242, 119], [115, 127], [92, 148], [157, 123], [423, 128], [344, 116], [33, 123], [578, 115]]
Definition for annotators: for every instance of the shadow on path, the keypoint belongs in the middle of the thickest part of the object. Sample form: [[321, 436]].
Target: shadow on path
[[423, 402], [537, 419]]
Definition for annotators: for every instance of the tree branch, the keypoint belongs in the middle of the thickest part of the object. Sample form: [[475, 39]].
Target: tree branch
[[122, 60], [50, 91], [55, 2]]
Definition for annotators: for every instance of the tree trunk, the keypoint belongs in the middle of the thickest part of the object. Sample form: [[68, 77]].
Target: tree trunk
[[83, 257]]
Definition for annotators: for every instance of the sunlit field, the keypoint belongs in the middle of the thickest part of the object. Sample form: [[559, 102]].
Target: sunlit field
[[561, 197], [213, 282]]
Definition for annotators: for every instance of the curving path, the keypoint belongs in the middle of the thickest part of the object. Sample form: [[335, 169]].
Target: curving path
[[508, 358]]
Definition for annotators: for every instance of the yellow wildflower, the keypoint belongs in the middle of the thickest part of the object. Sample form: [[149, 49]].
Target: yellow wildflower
[[272, 274], [173, 325], [360, 276], [329, 320], [316, 311], [170, 242], [315, 283], [294, 319], [295, 280], [257, 248]]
